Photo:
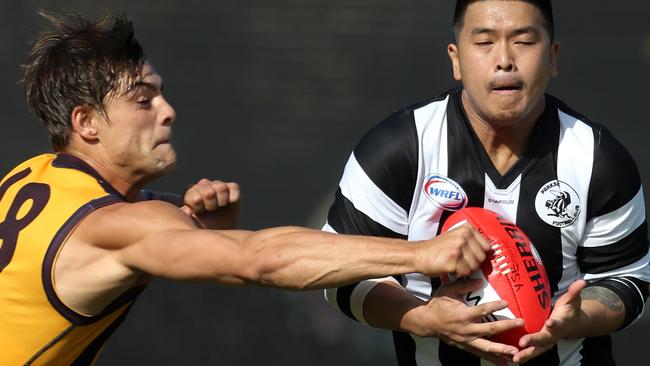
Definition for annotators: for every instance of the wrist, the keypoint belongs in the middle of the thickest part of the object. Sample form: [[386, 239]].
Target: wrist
[[419, 258], [413, 320]]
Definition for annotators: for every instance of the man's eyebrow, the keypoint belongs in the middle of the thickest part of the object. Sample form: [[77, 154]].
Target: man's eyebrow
[[477, 31], [525, 30], [514, 32], [147, 84]]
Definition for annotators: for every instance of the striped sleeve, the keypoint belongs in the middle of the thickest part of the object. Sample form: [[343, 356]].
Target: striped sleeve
[[614, 252], [374, 196]]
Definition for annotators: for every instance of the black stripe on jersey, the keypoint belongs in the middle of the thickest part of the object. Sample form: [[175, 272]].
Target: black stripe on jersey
[[452, 356], [344, 218], [633, 292], [388, 154], [464, 155], [343, 295], [541, 170], [614, 163], [622, 253], [404, 349], [597, 351]]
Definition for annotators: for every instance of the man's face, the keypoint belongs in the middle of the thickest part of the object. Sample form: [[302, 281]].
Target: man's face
[[137, 135], [504, 59]]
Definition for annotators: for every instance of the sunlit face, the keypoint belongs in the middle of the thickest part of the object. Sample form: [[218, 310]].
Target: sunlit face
[[137, 135], [504, 59]]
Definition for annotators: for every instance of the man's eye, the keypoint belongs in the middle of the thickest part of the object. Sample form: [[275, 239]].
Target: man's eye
[[483, 43], [525, 43], [144, 102]]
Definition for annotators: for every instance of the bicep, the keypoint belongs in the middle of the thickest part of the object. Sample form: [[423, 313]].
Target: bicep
[[190, 255], [157, 238]]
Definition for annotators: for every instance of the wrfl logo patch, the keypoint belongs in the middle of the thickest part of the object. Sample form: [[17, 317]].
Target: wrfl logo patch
[[444, 192]]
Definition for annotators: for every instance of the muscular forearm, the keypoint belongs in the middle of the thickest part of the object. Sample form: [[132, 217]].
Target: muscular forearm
[[389, 306], [298, 258]]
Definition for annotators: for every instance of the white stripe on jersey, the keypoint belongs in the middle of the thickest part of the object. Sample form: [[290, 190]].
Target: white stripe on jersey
[[426, 350], [569, 351], [616, 225], [330, 293], [431, 125], [366, 197], [328, 228], [330, 297], [638, 269], [502, 201], [358, 296], [575, 159]]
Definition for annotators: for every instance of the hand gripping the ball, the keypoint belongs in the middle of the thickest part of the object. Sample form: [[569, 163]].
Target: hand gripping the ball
[[447, 317], [460, 251]]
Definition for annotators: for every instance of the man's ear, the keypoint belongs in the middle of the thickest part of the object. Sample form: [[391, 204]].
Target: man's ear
[[84, 122], [452, 51], [555, 54]]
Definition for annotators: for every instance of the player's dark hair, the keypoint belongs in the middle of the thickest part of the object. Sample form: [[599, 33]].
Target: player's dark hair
[[544, 6], [78, 62]]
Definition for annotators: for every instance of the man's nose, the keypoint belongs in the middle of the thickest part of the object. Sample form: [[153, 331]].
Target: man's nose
[[505, 59]]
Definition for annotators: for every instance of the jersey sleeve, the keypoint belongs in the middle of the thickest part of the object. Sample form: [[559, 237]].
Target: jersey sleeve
[[374, 196], [614, 253]]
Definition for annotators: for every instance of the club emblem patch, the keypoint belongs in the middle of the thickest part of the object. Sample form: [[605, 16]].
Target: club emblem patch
[[557, 203]]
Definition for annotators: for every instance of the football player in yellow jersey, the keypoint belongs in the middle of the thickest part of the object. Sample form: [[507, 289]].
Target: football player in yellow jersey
[[78, 243]]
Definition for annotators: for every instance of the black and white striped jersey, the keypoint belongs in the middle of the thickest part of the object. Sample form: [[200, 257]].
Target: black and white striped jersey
[[576, 192]]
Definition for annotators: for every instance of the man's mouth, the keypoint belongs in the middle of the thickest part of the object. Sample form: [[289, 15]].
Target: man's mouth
[[506, 87], [164, 141]]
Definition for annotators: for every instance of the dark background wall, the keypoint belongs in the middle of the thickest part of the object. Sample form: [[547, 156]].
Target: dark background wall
[[274, 94]]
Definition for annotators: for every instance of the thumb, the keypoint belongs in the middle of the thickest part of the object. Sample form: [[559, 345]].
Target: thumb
[[573, 293], [187, 210]]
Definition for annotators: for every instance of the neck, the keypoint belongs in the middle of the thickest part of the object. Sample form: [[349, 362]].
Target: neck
[[129, 188], [504, 141]]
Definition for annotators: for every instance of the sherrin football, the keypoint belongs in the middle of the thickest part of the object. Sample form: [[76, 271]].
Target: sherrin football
[[513, 271]]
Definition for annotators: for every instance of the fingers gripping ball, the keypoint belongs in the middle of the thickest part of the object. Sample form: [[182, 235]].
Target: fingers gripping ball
[[513, 271]]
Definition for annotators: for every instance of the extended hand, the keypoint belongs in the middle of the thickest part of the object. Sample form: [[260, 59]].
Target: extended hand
[[447, 317], [460, 251], [566, 313], [213, 204]]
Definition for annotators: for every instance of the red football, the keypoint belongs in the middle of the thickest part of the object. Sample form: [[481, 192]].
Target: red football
[[513, 271]]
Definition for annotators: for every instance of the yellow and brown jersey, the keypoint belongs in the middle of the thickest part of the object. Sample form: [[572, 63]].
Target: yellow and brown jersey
[[41, 202]]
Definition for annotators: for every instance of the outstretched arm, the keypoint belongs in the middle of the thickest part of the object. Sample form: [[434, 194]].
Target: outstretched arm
[[158, 239]]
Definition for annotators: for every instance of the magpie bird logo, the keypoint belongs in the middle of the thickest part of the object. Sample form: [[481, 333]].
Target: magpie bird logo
[[558, 204]]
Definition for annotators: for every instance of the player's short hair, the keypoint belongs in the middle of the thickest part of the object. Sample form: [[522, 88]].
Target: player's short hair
[[545, 7], [78, 62]]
